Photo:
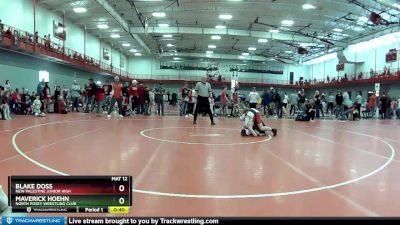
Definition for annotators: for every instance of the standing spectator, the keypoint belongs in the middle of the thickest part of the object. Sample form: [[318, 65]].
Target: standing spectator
[[358, 102], [116, 97], [253, 98], [266, 101], [57, 93], [398, 108], [318, 105], [184, 100], [75, 95], [100, 99], [1, 27], [4, 105], [285, 100], [40, 88], [146, 100], [7, 86], [372, 103], [151, 100], [235, 103], [331, 101], [192, 100], [91, 91], [383, 106], [294, 99], [339, 105], [224, 101], [133, 92], [46, 97], [203, 90], [160, 92], [107, 90], [278, 104], [140, 90]]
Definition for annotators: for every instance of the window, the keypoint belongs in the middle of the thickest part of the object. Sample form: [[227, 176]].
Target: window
[[44, 75]]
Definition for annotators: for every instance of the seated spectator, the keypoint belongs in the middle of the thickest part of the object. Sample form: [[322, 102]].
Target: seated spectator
[[8, 33], [4, 105], [61, 105], [398, 108], [37, 105]]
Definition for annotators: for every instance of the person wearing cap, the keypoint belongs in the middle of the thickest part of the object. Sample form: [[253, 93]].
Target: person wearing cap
[[203, 90], [116, 94], [160, 92]]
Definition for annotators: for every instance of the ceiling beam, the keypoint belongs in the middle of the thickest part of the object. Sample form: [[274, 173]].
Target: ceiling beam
[[231, 32], [122, 22]]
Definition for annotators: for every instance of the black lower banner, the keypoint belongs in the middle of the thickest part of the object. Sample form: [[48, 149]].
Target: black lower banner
[[225, 220]]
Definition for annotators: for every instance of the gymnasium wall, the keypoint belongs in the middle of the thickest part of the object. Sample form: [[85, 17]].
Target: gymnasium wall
[[374, 58], [23, 71], [147, 67], [44, 26]]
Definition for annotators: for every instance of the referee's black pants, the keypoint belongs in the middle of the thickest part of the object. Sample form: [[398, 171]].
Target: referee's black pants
[[203, 105]]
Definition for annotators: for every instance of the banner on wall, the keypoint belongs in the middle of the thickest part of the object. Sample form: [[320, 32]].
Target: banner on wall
[[377, 88], [59, 31], [106, 54]]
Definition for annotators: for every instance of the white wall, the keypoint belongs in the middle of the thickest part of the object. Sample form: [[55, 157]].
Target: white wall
[[19, 14], [147, 67], [374, 58]]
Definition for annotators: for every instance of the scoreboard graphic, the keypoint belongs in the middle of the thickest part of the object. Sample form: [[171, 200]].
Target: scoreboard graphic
[[75, 194]]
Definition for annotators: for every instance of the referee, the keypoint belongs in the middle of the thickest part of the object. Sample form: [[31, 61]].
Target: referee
[[203, 90]]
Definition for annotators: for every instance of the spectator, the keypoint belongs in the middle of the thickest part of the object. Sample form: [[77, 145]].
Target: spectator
[[160, 92], [372, 103], [184, 99], [278, 104], [224, 101], [151, 101], [253, 98], [285, 100], [75, 95], [37, 106], [383, 106], [7, 86], [1, 27], [40, 88], [4, 105], [317, 101], [358, 103], [293, 99], [100, 99], [398, 108], [61, 108], [331, 101], [116, 97], [266, 101], [339, 104], [133, 93], [91, 91], [46, 97], [140, 90]]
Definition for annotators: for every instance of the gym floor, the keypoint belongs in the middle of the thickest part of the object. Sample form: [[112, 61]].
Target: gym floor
[[322, 168]]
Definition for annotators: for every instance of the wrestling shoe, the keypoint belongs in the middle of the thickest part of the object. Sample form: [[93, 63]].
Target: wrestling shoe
[[194, 121], [212, 124], [275, 131], [243, 132]]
